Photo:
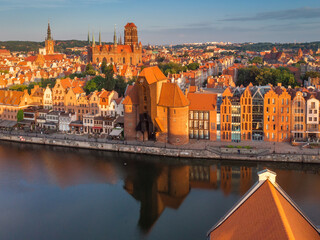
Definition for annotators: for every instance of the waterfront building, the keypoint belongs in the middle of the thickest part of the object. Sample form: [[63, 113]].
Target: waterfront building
[[313, 131], [225, 113], [264, 212], [129, 53], [13, 101], [298, 117], [258, 112], [64, 121], [202, 116], [246, 114], [47, 98], [277, 112], [106, 104], [156, 109]]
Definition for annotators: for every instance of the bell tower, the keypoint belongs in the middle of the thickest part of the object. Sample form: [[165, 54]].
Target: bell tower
[[49, 42], [130, 34]]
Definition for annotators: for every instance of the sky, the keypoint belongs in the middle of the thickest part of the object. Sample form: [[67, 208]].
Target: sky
[[165, 21]]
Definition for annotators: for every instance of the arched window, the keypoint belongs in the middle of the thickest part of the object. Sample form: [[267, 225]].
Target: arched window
[[111, 60], [98, 60], [124, 60], [104, 60]]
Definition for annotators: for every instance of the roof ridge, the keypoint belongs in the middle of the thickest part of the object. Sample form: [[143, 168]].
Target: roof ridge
[[282, 214]]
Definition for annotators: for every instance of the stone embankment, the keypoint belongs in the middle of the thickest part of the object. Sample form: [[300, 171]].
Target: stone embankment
[[218, 153]]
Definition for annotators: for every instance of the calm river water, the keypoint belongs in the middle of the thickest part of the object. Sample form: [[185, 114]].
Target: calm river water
[[60, 193]]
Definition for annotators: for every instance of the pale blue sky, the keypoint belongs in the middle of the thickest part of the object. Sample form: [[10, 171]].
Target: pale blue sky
[[164, 21]]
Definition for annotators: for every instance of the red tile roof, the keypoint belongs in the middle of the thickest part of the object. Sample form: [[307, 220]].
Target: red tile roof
[[172, 96], [202, 101], [265, 212]]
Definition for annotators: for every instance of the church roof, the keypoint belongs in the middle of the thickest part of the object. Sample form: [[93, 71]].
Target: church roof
[[265, 212]]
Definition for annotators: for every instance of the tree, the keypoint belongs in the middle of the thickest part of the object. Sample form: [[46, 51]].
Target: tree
[[45, 82], [264, 76], [172, 67], [193, 66], [257, 60], [311, 74], [31, 86], [18, 87], [90, 86], [20, 115], [104, 66], [90, 70], [120, 85]]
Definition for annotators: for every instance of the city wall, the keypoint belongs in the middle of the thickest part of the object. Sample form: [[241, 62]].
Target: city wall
[[210, 153]]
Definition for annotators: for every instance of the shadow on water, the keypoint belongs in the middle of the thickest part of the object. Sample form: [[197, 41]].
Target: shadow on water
[[156, 182]]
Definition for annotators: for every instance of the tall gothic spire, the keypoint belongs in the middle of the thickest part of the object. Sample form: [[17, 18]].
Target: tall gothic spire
[[93, 41], [88, 37], [115, 36], [49, 32], [120, 40], [99, 37]]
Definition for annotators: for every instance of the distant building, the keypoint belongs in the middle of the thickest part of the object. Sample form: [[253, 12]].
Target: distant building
[[129, 53]]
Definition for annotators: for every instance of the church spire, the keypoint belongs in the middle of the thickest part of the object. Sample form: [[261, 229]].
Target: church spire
[[99, 37], [120, 40], [88, 37], [49, 32], [93, 41], [115, 36]]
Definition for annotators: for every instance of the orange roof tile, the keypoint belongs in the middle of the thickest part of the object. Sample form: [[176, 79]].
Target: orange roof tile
[[132, 98], [265, 212], [152, 74], [202, 101], [172, 96]]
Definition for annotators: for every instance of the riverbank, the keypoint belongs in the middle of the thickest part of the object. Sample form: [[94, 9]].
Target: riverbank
[[209, 152]]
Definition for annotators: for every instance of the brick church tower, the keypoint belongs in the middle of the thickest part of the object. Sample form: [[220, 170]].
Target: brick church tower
[[130, 34], [49, 42]]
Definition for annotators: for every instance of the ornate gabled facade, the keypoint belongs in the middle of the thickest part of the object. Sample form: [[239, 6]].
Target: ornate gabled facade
[[130, 53]]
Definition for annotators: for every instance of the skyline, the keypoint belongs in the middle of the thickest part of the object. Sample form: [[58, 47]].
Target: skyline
[[168, 23]]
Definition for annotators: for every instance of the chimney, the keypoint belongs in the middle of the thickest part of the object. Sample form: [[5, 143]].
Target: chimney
[[267, 175]]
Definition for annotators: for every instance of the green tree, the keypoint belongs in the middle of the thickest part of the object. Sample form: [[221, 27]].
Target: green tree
[[193, 66], [90, 70], [18, 87], [257, 60], [120, 85], [90, 86], [20, 115], [104, 66], [264, 76], [45, 82], [311, 74]]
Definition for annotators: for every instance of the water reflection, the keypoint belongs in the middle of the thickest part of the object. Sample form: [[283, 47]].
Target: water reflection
[[156, 184]]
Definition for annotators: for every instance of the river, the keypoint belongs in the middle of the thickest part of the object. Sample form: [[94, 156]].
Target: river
[[62, 193]]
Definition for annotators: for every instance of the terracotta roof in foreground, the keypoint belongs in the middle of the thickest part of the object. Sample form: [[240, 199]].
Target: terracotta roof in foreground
[[265, 212]]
